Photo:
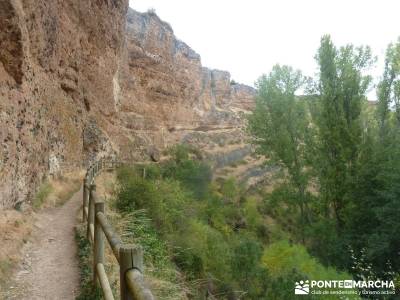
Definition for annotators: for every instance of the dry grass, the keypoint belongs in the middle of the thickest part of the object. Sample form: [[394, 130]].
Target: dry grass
[[16, 226], [57, 191], [15, 229], [105, 184]]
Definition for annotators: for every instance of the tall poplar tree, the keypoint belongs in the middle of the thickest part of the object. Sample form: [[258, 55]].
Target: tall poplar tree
[[341, 88], [278, 125]]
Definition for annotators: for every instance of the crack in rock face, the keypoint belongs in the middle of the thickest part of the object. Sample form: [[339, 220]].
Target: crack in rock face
[[11, 48]]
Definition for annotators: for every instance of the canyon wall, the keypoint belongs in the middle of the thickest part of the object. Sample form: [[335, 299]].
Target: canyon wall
[[85, 79], [165, 94], [57, 63]]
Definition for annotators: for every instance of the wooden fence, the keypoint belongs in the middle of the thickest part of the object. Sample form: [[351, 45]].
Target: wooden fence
[[129, 257]]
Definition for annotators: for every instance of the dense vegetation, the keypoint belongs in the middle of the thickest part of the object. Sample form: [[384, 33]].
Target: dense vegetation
[[341, 157], [214, 233], [332, 214]]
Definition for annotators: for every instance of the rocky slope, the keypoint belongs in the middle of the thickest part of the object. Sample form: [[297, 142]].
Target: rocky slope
[[164, 94], [83, 79]]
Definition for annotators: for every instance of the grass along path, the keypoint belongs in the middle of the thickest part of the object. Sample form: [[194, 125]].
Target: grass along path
[[49, 270]]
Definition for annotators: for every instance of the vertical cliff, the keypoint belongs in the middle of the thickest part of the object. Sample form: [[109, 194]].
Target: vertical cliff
[[83, 79], [57, 63], [165, 94]]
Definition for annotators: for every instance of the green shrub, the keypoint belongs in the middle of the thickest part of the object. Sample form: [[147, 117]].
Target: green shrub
[[231, 190], [247, 255], [164, 200], [152, 171], [87, 290], [215, 214], [202, 251], [135, 193], [252, 215], [185, 166], [126, 173], [44, 191], [140, 230], [194, 175], [284, 260], [212, 232]]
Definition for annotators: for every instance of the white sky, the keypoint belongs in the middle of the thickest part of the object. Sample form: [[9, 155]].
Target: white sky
[[247, 38]]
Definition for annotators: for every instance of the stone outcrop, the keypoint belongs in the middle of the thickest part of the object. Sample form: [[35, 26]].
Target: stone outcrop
[[165, 95], [57, 63], [83, 79]]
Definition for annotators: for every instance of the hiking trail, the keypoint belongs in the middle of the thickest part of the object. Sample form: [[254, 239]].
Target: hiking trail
[[49, 268]]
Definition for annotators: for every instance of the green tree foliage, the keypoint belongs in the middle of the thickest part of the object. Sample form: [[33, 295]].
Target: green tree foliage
[[216, 241], [194, 174], [374, 218], [348, 153], [209, 228], [279, 126], [288, 263], [165, 200], [335, 207], [247, 256], [340, 89]]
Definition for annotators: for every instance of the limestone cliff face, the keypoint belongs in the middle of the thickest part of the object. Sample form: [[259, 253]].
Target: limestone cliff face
[[83, 79], [164, 93], [57, 63]]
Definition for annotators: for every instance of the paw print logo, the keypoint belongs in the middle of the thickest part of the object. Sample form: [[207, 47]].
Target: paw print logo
[[302, 287]]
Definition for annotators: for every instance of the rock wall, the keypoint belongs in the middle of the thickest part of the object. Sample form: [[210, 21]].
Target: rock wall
[[165, 94], [57, 62], [83, 79]]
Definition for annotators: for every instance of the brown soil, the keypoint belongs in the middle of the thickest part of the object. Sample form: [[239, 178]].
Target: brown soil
[[15, 228], [49, 269]]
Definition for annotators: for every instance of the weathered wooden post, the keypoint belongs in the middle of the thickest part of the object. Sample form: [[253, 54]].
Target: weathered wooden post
[[84, 205], [90, 223], [130, 257], [98, 249]]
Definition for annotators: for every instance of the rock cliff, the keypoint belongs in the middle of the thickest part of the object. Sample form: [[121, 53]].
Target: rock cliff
[[164, 93], [84, 79]]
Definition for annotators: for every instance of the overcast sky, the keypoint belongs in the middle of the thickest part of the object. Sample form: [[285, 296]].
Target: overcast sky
[[248, 37]]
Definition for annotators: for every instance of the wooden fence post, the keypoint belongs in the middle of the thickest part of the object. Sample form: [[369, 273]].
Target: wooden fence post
[[91, 211], [130, 257], [84, 195], [98, 245]]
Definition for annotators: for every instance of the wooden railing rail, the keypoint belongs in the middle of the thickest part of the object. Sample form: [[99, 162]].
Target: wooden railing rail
[[129, 257]]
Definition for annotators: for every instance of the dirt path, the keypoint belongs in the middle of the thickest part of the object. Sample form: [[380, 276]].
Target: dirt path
[[49, 270]]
